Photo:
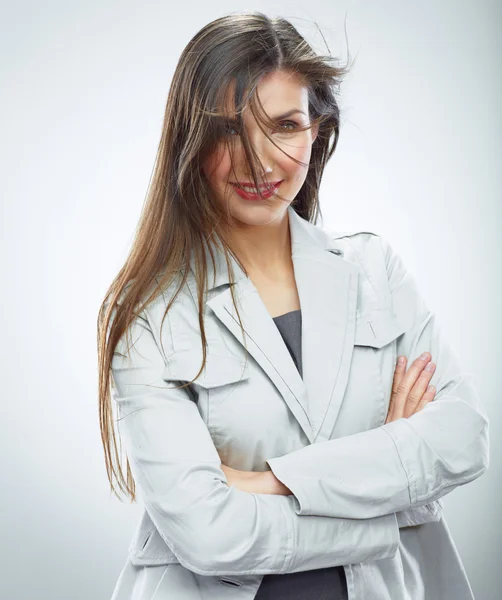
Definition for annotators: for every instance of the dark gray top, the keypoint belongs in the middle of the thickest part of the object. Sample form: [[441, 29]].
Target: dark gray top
[[290, 326], [317, 584]]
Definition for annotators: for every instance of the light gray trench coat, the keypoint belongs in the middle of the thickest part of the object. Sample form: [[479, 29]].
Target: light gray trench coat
[[365, 495]]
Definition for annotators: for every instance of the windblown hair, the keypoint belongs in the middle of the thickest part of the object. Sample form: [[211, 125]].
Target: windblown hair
[[181, 217]]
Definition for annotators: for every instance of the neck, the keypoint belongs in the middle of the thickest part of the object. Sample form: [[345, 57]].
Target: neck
[[264, 248]]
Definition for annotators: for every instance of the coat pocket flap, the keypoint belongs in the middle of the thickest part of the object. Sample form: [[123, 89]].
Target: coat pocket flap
[[377, 328], [220, 369], [152, 551], [428, 513], [147, 548]]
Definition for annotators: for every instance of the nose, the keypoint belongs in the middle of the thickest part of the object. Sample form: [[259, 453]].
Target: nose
[[267, 171], [266, 164], [264, 148]]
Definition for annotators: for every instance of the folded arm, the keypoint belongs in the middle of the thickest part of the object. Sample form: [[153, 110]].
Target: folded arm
[[406, 463], [213, 528]]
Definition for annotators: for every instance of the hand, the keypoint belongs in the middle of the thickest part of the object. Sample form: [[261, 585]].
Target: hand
[[257, 482], [409, 389], [246, 481]]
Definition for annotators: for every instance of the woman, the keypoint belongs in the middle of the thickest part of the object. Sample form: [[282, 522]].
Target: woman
[[279, 450]]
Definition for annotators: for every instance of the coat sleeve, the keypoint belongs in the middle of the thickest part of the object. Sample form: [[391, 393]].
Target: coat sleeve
[[409, 462], [211, 527]]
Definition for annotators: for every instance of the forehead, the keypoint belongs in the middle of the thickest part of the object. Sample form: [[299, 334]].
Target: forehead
[[278, 92]]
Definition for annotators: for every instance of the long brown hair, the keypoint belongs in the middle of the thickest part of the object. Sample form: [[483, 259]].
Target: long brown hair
[[180, 216]]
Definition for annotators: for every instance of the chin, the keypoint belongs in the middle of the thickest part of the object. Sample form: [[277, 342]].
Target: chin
[[260, 212]]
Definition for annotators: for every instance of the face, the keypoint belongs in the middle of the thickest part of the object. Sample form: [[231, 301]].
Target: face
[[279, 93]]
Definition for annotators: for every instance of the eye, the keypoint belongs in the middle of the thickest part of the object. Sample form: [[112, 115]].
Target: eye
[[283, 127], [229, 128], [287, 130]]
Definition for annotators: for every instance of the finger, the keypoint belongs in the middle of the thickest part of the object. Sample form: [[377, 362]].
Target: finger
[[418, 389], [429, 395], [399, 373], [405, 385]]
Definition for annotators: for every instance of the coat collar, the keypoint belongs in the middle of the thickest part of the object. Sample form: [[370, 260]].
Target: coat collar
[[328, 288]]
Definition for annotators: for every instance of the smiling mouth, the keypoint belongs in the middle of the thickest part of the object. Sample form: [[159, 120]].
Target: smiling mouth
[[252, 194], [250, 187]]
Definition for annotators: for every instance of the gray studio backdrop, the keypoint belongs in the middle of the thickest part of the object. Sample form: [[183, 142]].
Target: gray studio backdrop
[[83, 92]]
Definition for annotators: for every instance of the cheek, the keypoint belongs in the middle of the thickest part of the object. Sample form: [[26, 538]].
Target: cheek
[[216, 168], [289, 166]]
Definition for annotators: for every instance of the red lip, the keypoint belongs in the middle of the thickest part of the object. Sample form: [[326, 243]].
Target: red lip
[[262, 185], [269, 190]]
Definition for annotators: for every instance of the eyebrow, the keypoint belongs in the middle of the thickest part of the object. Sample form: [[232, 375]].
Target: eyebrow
[[277, 117]]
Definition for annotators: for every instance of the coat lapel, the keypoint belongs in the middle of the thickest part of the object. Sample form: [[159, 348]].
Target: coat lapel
[[328, 291]]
